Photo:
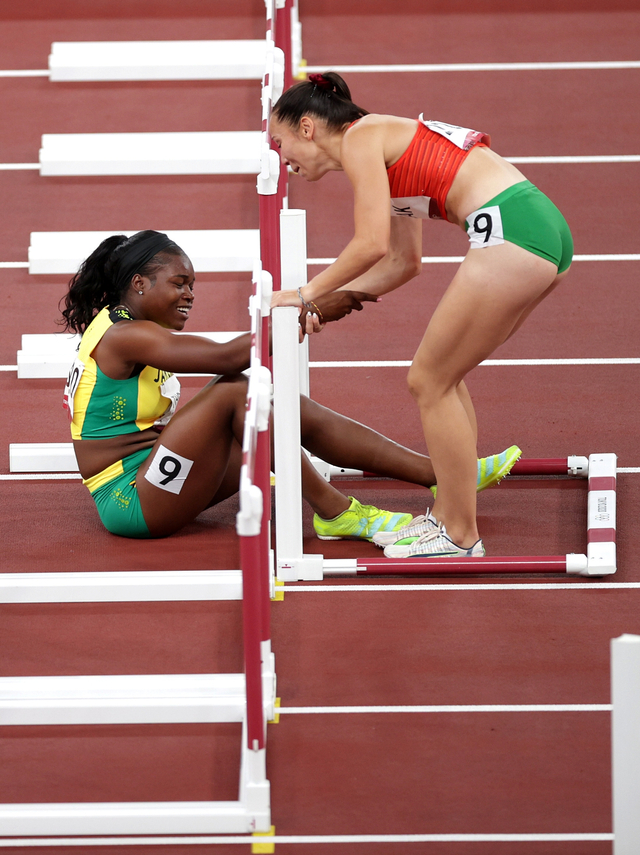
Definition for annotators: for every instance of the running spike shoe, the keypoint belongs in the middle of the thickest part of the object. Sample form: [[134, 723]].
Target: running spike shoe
[[358, 522], [416, 528], [492, 469], [435, 544]]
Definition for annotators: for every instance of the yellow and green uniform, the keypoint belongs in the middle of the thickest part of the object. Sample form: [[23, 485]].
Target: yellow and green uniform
[[101, 407]]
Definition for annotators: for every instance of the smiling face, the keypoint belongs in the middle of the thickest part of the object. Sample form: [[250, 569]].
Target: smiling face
[[167, 294], [309, 149]]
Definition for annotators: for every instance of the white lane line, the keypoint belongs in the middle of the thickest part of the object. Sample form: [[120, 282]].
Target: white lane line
[[25, 72], [254, 839], [447, 708], [581, 158], [433, 259], [475, 66], [587, 158], [458, 259], [61, 476], [490, 363], [405, 363], [41, 476], [484, 586]]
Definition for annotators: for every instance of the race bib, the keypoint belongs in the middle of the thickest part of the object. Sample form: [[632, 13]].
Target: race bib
[[71, 386], [464, 138], [420, 207], [168, 470], [484, 227], [169, 388]]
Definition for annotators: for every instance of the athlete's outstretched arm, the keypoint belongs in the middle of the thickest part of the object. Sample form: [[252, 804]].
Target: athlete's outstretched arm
[[400, 264]]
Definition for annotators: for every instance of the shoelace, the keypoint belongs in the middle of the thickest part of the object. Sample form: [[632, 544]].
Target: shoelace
[[416, 522], [427, 538]]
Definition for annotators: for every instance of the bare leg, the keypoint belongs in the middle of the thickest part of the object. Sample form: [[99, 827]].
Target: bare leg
[[208, 432], [493, 291], [344, 442]]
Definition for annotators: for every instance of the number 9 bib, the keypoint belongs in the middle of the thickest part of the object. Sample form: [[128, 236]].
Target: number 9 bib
[[168, 470], [484, 227]]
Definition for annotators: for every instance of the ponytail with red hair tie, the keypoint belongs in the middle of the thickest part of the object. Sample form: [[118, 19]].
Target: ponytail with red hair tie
[[321, 81]]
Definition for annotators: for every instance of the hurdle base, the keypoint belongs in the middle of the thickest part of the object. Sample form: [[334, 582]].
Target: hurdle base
[[306, 568]]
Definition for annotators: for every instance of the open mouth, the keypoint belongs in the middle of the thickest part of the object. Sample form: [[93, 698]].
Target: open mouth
[[184, 310]]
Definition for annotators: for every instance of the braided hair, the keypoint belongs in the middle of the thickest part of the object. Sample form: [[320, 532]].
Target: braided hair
[[326, 96], [104, 277]]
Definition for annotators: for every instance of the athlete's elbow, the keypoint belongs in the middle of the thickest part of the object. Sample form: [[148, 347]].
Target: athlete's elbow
[[372, 251]]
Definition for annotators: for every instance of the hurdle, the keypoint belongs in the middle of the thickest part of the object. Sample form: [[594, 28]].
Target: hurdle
[[247, 698], [196, 59], [625, 745], [293, 565], [210, 250]]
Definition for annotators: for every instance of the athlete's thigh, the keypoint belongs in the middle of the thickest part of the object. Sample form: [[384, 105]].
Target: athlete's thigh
[[190, 459], [484, 301]]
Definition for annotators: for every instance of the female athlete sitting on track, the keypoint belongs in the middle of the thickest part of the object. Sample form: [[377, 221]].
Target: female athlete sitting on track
[[403, 170], [149, 471]]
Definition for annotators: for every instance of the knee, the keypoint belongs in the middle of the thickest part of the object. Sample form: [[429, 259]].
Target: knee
[[427, 386], [421, 384]]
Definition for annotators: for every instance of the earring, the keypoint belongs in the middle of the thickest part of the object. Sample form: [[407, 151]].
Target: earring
[[140, 292]]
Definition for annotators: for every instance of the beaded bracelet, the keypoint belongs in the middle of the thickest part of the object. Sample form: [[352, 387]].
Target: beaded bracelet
[[318, 312]]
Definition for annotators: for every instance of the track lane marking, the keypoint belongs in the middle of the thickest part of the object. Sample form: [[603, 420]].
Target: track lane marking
[[252, 839], [458, 259], [604, 65], [446, 708], [482, 586]]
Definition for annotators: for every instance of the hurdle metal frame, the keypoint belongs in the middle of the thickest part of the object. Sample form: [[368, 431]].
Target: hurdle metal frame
[[294, 565]]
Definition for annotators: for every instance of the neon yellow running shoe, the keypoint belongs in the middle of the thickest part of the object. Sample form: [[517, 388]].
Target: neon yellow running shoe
[[491, 470], [358, 522]]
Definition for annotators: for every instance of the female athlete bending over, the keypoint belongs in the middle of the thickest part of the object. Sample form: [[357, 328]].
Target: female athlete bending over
[[125, 300], [404, 170]]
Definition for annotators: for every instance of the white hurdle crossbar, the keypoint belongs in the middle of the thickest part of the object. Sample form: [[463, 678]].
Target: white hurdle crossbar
[[210, 250], [237, 59], [625, 743]]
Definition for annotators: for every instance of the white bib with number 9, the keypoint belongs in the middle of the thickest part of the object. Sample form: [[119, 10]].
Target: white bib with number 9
[[168, 470], [484, 227]]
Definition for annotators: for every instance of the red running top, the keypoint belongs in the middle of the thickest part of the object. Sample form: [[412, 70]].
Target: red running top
[[428, 166]]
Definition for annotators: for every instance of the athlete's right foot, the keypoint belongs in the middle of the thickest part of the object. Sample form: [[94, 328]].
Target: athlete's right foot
[[435, 544], [416, 528]]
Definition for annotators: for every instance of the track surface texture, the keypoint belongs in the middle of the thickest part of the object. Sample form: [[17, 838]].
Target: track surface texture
[[414, 642]]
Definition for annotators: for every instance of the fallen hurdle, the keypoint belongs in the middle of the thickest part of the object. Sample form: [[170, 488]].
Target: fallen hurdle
[[292, 564]]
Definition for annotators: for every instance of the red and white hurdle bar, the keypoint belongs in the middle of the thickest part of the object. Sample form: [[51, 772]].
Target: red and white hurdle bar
[[252, 526], [292, 564]]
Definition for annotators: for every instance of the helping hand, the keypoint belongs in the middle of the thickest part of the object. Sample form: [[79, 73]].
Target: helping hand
[[336, 305]]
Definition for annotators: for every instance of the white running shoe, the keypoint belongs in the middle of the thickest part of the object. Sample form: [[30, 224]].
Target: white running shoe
[[435, 544], [418, 526]]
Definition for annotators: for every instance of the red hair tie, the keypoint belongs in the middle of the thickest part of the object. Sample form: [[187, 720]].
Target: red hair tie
[[321, 81]]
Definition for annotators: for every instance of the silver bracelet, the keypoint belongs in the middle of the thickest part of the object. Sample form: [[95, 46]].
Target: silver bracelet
[[302, 300]]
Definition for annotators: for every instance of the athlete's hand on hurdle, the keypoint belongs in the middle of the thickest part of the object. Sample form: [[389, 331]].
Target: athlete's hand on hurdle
[[285, 298]]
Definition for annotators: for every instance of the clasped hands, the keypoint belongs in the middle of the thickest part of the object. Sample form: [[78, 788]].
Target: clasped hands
[[331, 307]]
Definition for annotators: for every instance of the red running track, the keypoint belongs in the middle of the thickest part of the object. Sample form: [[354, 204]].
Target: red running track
[[430, 643]]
